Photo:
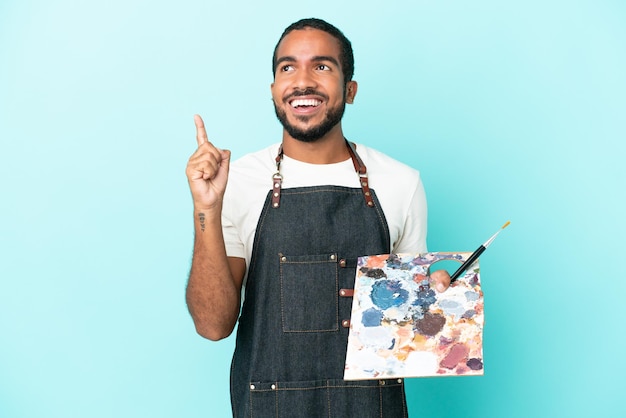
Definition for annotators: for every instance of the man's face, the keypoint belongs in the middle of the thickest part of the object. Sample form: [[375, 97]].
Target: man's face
[[309, 92]]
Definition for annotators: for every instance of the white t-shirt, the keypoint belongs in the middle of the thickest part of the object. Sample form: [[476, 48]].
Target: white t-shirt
[[398, 187]]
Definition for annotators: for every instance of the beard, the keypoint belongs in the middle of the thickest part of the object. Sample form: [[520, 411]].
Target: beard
[[313, 133]]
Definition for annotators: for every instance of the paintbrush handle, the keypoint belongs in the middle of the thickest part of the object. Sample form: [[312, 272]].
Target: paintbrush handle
[[467, 263]]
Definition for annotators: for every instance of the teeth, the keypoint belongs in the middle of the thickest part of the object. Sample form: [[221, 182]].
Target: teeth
[[305, 102]]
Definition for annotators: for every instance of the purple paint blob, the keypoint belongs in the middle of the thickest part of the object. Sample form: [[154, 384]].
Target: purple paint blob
[[474, 280], [443, 341], [469, 313], [374, 273], [475, 364]]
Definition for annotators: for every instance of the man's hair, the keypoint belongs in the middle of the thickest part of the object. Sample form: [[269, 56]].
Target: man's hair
[[346, 57]]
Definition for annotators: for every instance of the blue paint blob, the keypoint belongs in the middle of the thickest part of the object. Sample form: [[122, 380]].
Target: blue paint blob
[[371, 317], [451, 307], [425, 298], [417, 312], [471, 296], [388, 293]]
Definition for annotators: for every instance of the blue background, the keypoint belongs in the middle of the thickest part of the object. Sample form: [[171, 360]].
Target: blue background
[[510, 110]]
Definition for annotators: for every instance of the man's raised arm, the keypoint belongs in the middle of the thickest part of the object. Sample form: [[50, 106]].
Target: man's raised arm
[[215, 280]]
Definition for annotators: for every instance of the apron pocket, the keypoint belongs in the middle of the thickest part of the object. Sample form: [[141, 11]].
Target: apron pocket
[[308, 293], [328, 398]]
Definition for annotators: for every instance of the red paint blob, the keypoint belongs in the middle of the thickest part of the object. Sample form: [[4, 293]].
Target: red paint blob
[[457, 353]]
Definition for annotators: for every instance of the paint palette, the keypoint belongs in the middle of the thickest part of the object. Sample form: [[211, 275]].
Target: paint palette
[[400, 327]]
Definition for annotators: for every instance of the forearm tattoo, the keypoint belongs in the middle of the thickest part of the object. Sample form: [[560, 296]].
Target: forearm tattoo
[[201, 218]]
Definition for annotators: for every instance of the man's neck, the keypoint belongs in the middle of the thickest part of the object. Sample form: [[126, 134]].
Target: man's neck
[[329, 149]]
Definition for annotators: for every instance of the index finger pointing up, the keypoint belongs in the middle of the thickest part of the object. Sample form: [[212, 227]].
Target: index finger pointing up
[[201, 135]]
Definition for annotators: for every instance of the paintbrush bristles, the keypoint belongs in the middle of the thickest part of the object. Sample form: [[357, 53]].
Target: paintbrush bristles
[[490, 240]]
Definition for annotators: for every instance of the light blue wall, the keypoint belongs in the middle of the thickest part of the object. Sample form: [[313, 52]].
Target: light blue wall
[[511, 110]]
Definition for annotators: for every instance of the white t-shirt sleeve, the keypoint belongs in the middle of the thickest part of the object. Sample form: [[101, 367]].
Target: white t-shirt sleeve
[[234, 245], [249, 180], [413, 235]]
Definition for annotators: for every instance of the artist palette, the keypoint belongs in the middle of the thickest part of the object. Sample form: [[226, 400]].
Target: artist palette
[[400, 327]]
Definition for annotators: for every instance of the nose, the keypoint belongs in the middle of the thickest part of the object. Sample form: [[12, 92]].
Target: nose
[[304, 79]]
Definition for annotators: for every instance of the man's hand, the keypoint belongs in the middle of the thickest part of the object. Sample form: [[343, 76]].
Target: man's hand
[[207, 170], [441, 280]]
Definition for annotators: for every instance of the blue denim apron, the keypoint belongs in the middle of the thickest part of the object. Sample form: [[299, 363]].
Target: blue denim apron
[[293, 329]]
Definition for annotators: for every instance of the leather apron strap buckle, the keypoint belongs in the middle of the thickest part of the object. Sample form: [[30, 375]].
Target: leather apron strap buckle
[[277, 181], [359, 167]]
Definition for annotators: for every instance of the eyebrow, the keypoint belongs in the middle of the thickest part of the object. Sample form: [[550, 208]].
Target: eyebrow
[[317, 58]]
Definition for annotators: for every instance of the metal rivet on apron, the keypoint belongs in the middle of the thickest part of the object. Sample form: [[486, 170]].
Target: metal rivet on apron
[[370, 203], [252, 387], [342, 292], [332, 256], [345, 323], [342, 262], [399, 380], [283, 258], [273, 386], [275, 194], [382, 383]]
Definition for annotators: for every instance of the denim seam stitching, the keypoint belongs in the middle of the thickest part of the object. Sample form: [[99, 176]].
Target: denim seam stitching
[[282, 304]]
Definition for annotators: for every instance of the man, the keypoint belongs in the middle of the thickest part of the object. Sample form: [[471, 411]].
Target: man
[[291, 221]]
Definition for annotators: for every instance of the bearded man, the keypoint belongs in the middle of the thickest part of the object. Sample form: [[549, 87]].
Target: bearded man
[[285, 225]]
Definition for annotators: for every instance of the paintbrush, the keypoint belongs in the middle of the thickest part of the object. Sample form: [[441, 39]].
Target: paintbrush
[[476, 254]]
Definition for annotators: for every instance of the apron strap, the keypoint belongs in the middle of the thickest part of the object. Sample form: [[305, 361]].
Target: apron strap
[[362, 171], [359, 167], [277, 179]]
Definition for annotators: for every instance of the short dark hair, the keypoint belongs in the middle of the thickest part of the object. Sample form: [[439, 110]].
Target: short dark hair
[[346, 56]]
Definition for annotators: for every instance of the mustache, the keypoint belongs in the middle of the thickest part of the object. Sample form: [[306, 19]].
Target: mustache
[[306, 92]]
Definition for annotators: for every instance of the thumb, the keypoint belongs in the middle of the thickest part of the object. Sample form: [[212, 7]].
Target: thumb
[[225, 163], [224, 167]]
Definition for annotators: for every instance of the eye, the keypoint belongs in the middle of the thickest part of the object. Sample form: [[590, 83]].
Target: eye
[[286, 67], [323, 67]]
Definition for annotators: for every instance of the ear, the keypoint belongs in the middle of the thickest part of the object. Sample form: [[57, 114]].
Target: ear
[[351, 88], [272, 91]]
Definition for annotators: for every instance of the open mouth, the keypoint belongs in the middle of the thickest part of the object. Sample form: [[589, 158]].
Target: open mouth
[[305, 103]]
